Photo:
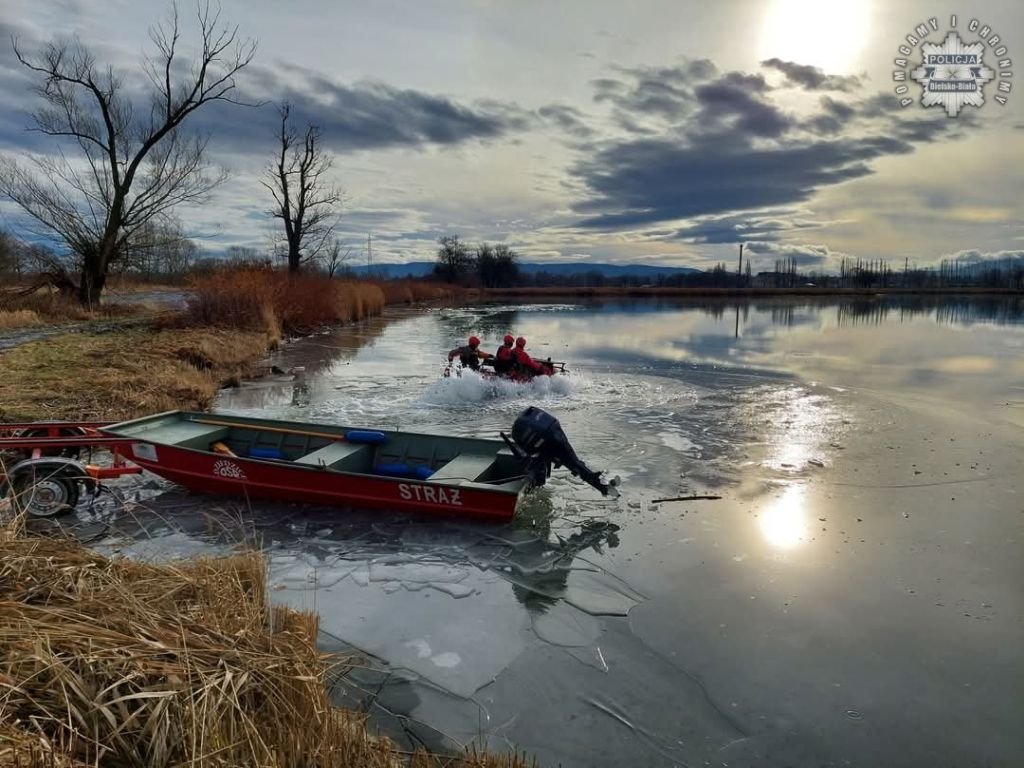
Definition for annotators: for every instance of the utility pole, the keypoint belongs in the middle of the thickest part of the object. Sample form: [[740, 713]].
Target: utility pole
[[369, 252], [739, 269]]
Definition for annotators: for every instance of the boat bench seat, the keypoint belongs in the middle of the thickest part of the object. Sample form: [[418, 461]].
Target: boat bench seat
[[333, 454], [187, 434], [466, 467]]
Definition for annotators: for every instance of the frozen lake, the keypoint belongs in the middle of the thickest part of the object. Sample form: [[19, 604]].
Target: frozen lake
[[855, 598]]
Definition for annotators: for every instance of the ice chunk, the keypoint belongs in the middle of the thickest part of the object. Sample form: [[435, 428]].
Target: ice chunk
[[566, 626], [417, 573]]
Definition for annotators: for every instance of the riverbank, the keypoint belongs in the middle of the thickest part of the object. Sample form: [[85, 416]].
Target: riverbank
[[123, 362], [124, 374]]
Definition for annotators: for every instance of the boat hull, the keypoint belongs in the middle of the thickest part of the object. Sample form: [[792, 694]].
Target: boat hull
[[209, 473]]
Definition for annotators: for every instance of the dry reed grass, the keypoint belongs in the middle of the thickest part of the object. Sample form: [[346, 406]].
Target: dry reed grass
[[123, 375], [19, 318], [118, 663], [414, 291], [259, 298], [47, 307]]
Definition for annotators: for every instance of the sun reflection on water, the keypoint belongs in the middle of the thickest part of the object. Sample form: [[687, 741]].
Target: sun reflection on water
[[783, 522]]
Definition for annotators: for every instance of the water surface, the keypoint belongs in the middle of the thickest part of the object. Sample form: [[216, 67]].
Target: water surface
[[853, 599]]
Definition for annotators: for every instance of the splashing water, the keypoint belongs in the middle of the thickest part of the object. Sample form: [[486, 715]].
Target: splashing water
[[471, 387]]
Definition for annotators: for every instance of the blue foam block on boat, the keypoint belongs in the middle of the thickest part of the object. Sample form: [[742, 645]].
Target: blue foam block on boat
[[400, 469], [365, 436], [265, 453]]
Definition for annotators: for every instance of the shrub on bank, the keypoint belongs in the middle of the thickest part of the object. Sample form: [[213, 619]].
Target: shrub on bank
[[263, 298]]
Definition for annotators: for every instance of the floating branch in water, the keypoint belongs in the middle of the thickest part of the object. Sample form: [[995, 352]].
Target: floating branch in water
[[685, 498]]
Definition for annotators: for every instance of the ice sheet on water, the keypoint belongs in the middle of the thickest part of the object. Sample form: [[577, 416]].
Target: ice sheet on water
[[165, 547], [600, 594], [625, 699], [565, 626], [417, 573], [457, 591], [424, 629]]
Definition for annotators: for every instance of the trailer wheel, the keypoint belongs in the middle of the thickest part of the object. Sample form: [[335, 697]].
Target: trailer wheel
[[50, 497], [47, 487]]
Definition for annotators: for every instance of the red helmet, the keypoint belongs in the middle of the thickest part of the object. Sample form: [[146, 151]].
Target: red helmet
[[509, 339], [474, 341], [520, 342]]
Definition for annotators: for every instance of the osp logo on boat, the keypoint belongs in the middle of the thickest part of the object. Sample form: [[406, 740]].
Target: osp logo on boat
[[953, 73]]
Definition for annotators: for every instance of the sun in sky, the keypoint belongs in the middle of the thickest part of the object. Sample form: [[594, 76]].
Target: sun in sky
[[826, 35]]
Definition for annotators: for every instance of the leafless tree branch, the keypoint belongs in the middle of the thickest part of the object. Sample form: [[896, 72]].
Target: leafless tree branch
[[304, 198], [132, 170]]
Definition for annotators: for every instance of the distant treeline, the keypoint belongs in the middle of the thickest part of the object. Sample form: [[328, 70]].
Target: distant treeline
[[160, 253]]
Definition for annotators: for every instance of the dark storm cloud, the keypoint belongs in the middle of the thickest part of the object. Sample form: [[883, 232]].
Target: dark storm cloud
[[358, 116], [740, 228], [351, 116], [662, 92], [834, 117], [17, 99], [803, 255], [811, 78], [569, 119], [733, 149], [641, 182], [737, 98]]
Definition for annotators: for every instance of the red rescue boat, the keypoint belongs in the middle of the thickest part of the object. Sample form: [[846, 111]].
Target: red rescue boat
[[332, 465]]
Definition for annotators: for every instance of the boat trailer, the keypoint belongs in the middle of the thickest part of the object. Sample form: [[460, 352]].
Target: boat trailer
[[50, 464]]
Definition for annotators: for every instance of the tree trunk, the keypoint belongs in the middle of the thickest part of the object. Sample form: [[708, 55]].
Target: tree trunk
[[94, 273], [91, 282], [293, 258]]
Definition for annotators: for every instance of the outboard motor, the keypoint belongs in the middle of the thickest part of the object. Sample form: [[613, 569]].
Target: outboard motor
[[538, 440]]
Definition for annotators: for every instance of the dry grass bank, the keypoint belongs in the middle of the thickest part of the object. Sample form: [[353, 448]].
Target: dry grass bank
[[123, 375], [118, 663], [50, 308]]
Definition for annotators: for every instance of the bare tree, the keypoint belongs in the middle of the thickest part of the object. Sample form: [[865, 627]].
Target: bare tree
[[244, 254], [455, 263], [335, 257], [134, 164], [304, 198], [159, 249]]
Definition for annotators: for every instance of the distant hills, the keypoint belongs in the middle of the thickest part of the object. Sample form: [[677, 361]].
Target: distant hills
[[563, 269]]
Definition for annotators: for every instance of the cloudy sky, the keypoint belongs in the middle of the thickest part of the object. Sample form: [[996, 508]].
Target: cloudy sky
[[645, 132]]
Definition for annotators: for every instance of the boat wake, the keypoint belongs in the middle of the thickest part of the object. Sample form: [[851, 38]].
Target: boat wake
[[471, 387]]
